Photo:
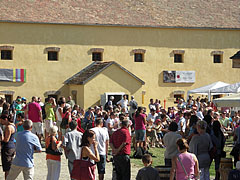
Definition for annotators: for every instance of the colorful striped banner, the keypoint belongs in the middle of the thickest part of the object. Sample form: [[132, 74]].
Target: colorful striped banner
[[20, 75], [14, 75]]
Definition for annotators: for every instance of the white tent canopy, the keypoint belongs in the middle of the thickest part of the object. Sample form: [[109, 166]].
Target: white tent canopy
[[206, 90], [232, 88], [228, 101]]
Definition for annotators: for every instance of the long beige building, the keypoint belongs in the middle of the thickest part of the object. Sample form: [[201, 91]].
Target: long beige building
[[95, 49]]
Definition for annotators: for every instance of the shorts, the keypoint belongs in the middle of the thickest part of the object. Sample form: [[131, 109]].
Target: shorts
[[58, 125], [37, 128], [48, 124], [7, 157], [140, 134], [101, 164]]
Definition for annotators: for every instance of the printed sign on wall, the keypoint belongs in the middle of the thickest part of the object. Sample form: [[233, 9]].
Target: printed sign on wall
[[179, 76]]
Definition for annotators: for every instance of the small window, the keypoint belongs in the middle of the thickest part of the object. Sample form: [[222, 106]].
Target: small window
[[178, 58], [6, 54], [177, 97], [217, 58], [97, 56], [52, 55], [8, 98], [138, 57]]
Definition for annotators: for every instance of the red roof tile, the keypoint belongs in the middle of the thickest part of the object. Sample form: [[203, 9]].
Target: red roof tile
[[156, 13]]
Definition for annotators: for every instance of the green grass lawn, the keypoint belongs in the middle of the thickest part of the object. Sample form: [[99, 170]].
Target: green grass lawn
[[158, 156]]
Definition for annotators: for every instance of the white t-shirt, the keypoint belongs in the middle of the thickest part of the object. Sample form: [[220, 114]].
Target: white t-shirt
[[59, 117], [150, 116], [101, 136], [123, 104], [200, 115], [183, 121]]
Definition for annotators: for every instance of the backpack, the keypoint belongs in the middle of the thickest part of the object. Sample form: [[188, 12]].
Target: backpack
[[134, 105], [64, 122]]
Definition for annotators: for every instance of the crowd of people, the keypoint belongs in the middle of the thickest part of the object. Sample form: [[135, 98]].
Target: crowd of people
[[192, 134]]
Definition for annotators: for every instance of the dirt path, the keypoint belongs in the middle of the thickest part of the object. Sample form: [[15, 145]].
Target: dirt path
[[41, 169]]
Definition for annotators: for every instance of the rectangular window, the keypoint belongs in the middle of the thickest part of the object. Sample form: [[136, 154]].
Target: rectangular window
[[178, 58], [217, 58], [52, 55], [97, 56], [138, 57], [8, 98], [6, 54]]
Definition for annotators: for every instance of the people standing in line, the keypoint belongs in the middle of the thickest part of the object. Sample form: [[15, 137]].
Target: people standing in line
[[102, 137], [26, 144], [200, 145], [34, 111], [8, 145], [53, 161], [50, 115], [120, 142], [169, 140], [185, 164], [148, 172], [71, 144]]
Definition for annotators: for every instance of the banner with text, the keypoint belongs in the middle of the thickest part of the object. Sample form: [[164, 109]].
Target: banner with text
[[178, 76]]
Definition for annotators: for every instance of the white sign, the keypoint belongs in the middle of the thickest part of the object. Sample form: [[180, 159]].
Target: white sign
[[179, 76], [185, 76]]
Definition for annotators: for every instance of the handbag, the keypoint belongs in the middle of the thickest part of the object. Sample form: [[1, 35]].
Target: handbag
[[49, 150], [83, 170], [188, 176]]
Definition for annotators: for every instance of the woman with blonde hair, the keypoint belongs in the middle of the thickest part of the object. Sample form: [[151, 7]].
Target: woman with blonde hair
[[53, 154], [184, 164]]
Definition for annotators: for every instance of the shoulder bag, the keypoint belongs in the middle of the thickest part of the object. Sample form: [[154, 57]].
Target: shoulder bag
[[188, 176], [83, 170], [49, 149]]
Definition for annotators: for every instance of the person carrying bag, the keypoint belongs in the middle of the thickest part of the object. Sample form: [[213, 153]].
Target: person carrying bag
[[83, 168]]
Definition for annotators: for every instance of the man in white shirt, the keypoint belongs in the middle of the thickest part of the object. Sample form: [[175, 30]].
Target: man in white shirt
[[182, 122], [152, 115], [200, 114], [101, 136], [124, 103]]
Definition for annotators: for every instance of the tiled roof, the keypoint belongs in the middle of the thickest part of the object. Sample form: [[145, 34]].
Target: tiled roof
[[94, 69], [153, 13], [236, 56]]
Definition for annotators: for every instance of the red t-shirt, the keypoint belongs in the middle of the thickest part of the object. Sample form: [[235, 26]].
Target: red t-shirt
[[120, 136], [33, 112]]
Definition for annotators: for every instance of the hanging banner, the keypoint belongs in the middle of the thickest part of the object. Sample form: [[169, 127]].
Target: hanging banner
[[178, 76], [13, 75]]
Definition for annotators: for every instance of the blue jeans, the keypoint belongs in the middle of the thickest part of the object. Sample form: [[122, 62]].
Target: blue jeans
[[204, 173]]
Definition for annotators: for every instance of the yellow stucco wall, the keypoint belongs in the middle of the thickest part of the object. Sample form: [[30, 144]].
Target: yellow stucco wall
[[30, 40], [112, 79]]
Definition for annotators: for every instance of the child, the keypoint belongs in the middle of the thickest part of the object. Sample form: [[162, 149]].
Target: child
[[147, 173], [19, 122], [158, 128]]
